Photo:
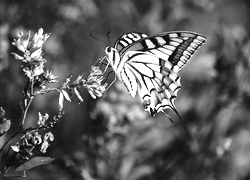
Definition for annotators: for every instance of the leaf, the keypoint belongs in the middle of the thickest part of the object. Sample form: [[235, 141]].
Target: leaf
[[10, 172], [78, 94], [61, 100], [18, 57], [34, 162], [4, 125], [66, 95]]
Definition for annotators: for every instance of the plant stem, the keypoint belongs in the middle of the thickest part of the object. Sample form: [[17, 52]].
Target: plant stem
[[21, 126], [25, 112]]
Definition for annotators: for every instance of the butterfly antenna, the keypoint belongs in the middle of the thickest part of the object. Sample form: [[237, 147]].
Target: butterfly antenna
[[108, 37], [98, 39]]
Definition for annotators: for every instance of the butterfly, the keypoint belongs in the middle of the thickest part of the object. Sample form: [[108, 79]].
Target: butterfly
[[149, 65]]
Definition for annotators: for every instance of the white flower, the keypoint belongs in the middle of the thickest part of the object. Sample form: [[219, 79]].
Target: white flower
[[42, 119], [37, 54], [22, 42], [16, 147], [39, 39]]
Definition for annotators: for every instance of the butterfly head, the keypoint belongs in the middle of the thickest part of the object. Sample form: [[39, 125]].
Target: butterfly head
[[112, 55]]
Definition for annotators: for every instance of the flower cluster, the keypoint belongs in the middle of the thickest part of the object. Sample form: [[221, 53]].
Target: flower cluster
[[94, 82], [31, 142], [22, 154], [33, 62], [41, 122]]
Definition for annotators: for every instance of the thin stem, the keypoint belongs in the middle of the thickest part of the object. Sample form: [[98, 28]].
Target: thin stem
[[46, 90], [21, 126], [29, 96], [25, 113]]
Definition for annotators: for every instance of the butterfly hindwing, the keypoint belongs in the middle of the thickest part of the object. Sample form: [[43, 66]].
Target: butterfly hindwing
[[154, 81]]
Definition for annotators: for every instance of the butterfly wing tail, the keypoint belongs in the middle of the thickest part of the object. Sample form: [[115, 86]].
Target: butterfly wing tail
[[161, 97]]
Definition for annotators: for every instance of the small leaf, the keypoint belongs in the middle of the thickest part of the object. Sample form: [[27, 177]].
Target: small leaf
[[92, 94], [61, 100], [78, 94], [18, 57], [36, 54], [4, 126], [34, 162], [40, 32], [66, 95], [79, 79]]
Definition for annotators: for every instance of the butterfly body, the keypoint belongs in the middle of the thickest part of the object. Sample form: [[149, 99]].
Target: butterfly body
[[149, 65]]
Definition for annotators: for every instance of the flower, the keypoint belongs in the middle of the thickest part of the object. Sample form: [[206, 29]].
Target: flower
[[31, 139], [16, 147], [48, 136], [37, 54], [37, 139], [32, 53], [39, 39], [51, 78], [44, 146], [22, 42], [33, 69], [46, 139], [94, 82], [42, 119]]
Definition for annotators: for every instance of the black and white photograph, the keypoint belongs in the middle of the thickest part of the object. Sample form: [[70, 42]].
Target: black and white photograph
[[124, 90]]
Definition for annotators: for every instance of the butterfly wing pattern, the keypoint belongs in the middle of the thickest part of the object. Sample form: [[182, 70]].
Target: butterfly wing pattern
[[149, 65]]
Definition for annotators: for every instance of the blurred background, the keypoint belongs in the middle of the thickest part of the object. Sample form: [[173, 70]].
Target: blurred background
[[112, 138]]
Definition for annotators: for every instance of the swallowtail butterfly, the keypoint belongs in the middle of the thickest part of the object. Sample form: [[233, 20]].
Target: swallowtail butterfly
[[149, 65]]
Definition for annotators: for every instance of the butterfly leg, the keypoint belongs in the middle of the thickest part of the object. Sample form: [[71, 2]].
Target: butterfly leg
[[104, 62], [111, 83], [98, 61]]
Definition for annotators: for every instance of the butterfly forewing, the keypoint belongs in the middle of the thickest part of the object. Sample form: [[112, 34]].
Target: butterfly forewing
[[175, 47], [128, 39], [150, 65]]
